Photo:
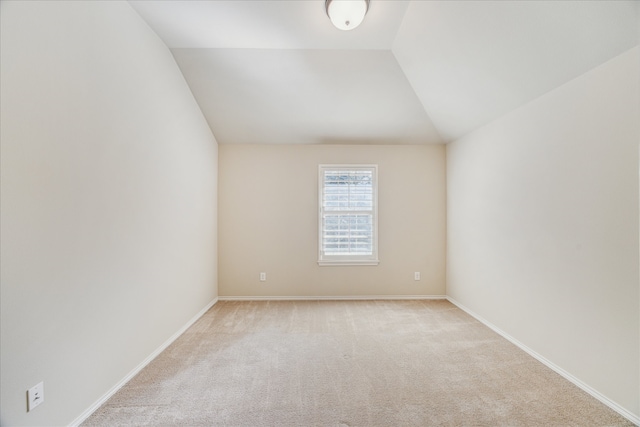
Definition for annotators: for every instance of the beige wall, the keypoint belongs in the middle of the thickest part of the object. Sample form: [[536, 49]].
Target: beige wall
[[268, 221], [108, 203], [543, 227]]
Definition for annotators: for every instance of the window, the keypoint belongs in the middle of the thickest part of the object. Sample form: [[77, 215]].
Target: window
[[348, 215]]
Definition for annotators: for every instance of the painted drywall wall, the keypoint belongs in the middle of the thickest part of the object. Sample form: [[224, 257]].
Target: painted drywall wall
[[268, 221], [543, 227], [108, 201]]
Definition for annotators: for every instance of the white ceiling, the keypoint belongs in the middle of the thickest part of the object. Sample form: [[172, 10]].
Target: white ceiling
[[414, 72]]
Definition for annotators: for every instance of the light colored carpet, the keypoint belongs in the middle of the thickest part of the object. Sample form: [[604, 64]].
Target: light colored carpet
[[347, 363]]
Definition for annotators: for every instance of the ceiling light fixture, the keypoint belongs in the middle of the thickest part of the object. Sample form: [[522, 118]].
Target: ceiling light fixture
[[346, 14]]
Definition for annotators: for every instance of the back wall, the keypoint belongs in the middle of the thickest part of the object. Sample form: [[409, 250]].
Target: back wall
[[268, 221]]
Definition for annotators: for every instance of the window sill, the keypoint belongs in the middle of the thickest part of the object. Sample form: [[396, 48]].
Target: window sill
[[329, 263]]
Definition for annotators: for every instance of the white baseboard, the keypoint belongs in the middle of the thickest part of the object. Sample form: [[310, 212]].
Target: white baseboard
[[611, 404], [141, 366], [331, 298]]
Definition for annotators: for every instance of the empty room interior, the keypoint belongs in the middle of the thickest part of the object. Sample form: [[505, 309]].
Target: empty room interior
[[177, 175]]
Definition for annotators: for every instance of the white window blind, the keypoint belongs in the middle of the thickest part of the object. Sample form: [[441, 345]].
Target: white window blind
[[348, 215]]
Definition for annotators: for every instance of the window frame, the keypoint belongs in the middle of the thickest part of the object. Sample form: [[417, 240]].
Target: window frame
[[348, 259]]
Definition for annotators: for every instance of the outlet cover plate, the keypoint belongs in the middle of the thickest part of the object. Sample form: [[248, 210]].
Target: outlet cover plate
[[35, 396]]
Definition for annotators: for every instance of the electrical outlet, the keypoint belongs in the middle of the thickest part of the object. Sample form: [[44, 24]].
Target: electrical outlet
[[263, 277], [35, 396], [416, 275]]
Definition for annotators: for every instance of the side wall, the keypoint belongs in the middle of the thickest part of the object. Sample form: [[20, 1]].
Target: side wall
[[108, 217], [543, 227], [268, 221]]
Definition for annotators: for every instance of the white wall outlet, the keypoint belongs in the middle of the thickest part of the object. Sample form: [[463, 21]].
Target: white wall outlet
[[416, 275], [263, 277], [35, 396]]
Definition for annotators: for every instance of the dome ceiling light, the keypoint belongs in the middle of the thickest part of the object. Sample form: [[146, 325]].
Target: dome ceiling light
[[346, 14]]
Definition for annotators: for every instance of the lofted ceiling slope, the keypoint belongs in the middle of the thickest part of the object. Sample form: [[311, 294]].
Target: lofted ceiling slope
[[414, 72]]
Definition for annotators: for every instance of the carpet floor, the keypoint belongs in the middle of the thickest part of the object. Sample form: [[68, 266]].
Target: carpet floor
[[347, 363]]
